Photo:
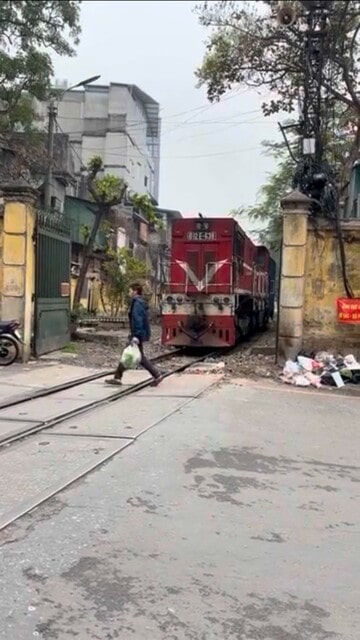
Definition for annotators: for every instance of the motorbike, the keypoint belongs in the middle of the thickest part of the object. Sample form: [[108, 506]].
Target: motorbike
[[10, 341]]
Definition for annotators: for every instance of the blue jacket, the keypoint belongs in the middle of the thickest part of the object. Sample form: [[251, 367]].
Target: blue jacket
[[138, 318]]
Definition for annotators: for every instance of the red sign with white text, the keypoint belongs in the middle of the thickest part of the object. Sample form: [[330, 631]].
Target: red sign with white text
[[348, 310]]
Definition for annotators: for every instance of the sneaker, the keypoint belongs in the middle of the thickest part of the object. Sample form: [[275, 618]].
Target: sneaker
[[114, 381]]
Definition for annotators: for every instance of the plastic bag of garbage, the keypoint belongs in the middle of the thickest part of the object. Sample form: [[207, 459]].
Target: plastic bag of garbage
[[302, 381], [131, 356], [290, 372], [324, 358], [314, 379], [308, 364], [351, 363], [291, 369]]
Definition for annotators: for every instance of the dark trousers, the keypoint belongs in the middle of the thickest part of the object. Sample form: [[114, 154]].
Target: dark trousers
[[144, 363]]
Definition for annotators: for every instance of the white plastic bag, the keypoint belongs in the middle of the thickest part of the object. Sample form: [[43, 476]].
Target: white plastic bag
[[301, 381], [291, 368], [351, 363], [131, 356], [305, 363]]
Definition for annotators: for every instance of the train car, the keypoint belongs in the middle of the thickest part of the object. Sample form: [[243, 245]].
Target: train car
[[218, 288]]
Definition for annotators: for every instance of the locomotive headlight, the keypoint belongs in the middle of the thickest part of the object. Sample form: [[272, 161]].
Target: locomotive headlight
[[216, 300], [226, 300], [169, 299], [179, 299]]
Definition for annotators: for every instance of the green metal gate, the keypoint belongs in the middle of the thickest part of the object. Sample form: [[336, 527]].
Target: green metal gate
[[52, 283]]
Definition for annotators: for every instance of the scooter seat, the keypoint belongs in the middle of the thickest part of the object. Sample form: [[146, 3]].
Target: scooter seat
[[4, 324]]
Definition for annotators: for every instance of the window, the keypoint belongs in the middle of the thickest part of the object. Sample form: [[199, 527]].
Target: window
[[261, 257], [146, 181], [54, 202], [239, 252], [209, 259], [192, 259]]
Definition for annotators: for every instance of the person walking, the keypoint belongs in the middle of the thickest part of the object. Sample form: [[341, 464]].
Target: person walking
[[140, 329]]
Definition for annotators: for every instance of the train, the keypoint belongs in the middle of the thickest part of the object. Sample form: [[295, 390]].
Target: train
[[220, 288]]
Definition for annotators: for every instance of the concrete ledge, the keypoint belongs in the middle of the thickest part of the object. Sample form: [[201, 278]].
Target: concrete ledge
[[89, 335]]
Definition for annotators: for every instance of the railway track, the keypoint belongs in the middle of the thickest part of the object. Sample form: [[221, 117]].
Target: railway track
[[33, 428], [42, 393], [39, 394]]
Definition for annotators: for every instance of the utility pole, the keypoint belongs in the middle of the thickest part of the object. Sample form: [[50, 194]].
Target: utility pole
[[52, 113], [314, 176]]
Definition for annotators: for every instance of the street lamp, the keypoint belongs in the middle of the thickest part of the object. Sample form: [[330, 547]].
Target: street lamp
[[52, 112]]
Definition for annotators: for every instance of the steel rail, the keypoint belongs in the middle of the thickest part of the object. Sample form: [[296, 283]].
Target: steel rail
[[42, 393], [26, 508], [52, 422]]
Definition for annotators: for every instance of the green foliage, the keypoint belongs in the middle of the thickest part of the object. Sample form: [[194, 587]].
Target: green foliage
[[107, 229], [143, 204], [71, 347], [106, 189], [109, 189], [95, 164], [85, 232], [120, 270], [266, 213], [29, 31], [22, 114], [247, 47], [77, 313]]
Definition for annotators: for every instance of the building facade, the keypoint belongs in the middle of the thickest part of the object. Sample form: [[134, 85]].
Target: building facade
[[159, 250], [29, 163], [118, 122]]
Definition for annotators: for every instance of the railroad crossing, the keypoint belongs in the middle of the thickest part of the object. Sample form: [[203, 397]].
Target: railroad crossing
[[203, 508]]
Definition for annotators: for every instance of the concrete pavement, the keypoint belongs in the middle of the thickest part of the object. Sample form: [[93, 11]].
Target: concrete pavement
[[236, 517]]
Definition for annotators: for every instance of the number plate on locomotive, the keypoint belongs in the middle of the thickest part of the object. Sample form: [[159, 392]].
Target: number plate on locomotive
[[201, 235]]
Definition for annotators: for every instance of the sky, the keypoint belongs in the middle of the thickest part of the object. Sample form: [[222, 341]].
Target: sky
[[211, 156]]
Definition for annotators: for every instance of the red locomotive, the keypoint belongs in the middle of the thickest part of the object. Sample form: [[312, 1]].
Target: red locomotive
[[221, 285]]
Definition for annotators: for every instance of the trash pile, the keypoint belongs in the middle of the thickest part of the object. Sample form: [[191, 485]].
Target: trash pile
[[323, 369], [209, 366]]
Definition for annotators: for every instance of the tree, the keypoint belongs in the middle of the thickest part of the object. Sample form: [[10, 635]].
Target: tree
[[120, 269], [107, 191], [143, 204], [29, 32], [267, 211], [249, 47]]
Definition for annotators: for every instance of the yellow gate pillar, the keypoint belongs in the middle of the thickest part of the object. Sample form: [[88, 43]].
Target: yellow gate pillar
[[296, 209], [18, 259]]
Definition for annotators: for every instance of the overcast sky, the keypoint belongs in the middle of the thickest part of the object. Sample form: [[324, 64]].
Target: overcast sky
[[211, 160]]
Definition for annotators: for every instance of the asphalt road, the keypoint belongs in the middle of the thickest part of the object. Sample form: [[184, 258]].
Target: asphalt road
[[236, 517]]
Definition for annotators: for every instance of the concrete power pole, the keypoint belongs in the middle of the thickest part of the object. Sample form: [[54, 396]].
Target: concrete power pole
[[52, 113]]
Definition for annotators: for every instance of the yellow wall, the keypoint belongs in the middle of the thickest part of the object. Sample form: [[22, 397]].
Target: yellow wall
[[17, 265], [324, 284], [94, 288]]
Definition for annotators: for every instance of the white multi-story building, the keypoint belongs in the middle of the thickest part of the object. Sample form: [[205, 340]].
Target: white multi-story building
[[121, 124]]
